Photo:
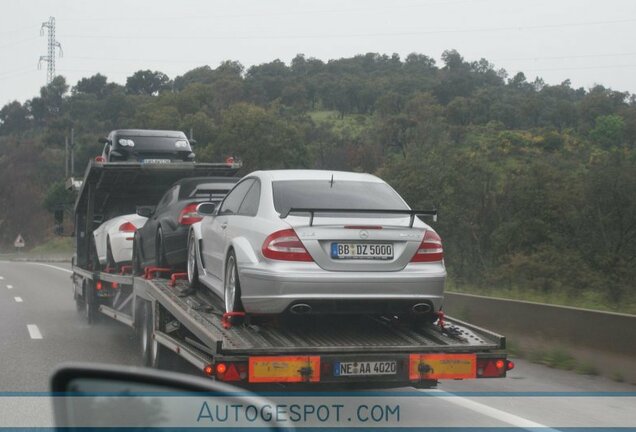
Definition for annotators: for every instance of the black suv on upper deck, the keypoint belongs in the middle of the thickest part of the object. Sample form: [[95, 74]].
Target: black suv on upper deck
[[146, 146]]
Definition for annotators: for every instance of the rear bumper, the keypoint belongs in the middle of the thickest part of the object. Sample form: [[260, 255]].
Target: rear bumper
[[265, 290], [121, 246]]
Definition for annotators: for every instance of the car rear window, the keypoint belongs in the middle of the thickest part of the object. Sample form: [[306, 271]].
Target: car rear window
[[337, 195], [148, 143], [212, 191]]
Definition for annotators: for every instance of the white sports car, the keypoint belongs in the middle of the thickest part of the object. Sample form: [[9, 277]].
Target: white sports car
[[114, 239], [306, 241]]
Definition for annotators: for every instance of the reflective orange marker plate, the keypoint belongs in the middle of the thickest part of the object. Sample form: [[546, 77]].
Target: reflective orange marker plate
[[283, 369], [442, 366]]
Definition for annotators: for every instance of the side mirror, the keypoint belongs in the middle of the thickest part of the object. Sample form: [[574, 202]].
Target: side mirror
[[206, 208], [103, 140], [145, 211], [101, 395]]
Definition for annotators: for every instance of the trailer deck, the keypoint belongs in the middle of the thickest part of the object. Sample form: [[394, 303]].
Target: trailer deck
[[202, 315]]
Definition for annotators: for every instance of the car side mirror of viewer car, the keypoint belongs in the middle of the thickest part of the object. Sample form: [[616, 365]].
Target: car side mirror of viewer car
[[145, 211], [206, 208], [87, 395]]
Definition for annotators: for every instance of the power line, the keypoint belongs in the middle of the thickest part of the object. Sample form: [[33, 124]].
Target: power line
[[204, 62], [620, 66], [271, 13], [353, 35], [563, 57], [18, 30], [19, 41]]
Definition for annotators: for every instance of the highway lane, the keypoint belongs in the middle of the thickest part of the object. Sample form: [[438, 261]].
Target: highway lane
[[47, 305], [44, 330]]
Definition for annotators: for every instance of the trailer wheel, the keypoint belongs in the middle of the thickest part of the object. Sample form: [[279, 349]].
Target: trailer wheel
[[154, 354], [80, 303], [90, 308]]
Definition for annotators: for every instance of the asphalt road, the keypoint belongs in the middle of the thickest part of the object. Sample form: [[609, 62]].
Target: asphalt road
[[40, 328]]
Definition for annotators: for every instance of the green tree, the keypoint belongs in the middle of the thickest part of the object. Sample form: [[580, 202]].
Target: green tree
[[146, 82]]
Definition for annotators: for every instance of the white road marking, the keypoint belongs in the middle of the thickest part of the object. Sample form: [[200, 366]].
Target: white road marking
[[34, 331], [18, 299], [494, 413], [9, 286], [54, 267]]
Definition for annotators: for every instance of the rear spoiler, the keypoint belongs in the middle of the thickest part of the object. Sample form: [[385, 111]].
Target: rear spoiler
[[313, 211]]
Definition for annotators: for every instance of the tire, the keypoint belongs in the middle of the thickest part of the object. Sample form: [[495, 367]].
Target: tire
[[110, 261], [80, 304], [136, 257], [91, 305], [232, 287], [157, 356], [145, 333], [192, 267], [160, 253]]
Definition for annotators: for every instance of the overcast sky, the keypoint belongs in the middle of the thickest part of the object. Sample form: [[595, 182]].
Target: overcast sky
[[585, 40]]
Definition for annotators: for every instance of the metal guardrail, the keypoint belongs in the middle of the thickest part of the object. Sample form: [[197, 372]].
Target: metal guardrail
[[604, 340], [586, 328]]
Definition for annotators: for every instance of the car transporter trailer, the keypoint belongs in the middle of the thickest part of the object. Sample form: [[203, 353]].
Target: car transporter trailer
[[175, 323]]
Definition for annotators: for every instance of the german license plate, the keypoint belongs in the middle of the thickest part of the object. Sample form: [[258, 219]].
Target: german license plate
[[365, 368], [375, 251], [156, 161]]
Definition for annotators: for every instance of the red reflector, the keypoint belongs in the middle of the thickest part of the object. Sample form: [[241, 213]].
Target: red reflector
[[232, 374], [510, 365], [100, 159], [221, 368], [98, 285], [127, 227], [430, 249], [491, 368], [286, 246], [189, 215], [208, 370], [115, 285]]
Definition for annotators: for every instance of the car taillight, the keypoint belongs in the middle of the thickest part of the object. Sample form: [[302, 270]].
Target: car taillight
[[286, 246], [189, 215], [127, 227], [430, 249]]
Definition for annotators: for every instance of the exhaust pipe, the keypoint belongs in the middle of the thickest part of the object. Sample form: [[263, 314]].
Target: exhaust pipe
[[421, 308], [300, 309]]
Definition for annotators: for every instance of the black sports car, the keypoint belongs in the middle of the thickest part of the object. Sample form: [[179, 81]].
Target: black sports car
[[162, 241], [146, 146]]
